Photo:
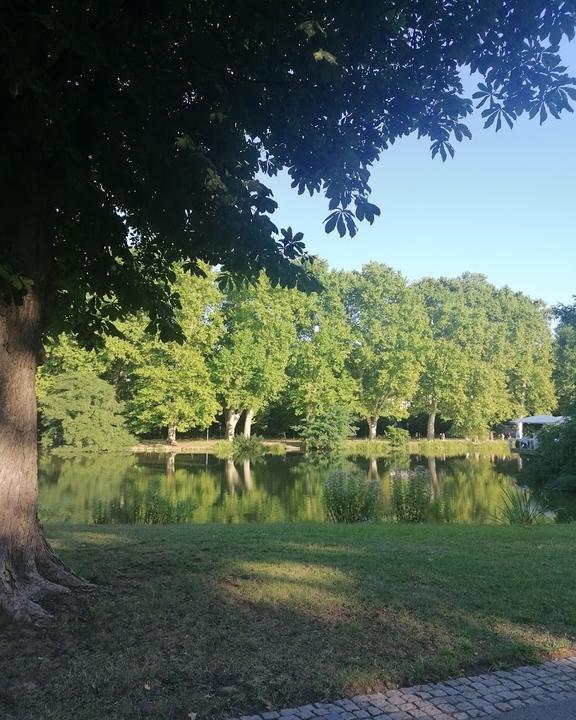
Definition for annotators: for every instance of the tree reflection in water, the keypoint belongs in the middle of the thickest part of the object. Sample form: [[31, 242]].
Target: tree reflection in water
[[150, 488]]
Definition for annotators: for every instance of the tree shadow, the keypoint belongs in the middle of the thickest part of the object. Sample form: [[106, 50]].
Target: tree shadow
[[224, 621]]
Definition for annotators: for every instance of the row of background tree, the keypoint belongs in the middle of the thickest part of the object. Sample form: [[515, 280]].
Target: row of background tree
[[456, 350]]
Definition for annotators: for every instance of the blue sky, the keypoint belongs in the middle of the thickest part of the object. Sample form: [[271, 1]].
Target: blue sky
[[505, 206]]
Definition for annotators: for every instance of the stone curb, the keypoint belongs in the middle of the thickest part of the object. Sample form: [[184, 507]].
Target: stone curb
[[464, 698]]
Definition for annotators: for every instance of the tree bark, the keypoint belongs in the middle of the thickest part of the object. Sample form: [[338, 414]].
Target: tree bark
[[172, 434], [431, 431], [29, 568], [249, 416], [372, 427], [231, 416]]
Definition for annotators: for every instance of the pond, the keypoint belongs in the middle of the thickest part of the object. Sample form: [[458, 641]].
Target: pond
[[154, 488]]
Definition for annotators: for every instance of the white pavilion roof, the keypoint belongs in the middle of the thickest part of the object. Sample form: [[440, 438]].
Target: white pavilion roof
[[540, 420]]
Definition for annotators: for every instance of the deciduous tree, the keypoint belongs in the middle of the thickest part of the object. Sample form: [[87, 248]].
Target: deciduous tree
[[389, 340], [133, 134], [249, 365], [565, 367]]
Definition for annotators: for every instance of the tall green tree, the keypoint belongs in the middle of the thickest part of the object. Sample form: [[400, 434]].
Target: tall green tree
[[442, 386], [565, 350], [79, 410], [464, 378], [319, 370], [167, 385], [490, 358], [389, 338], [530, 361], [133, 137], [249, 364]]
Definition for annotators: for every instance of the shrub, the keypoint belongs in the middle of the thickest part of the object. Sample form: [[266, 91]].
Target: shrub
[[397, 437], [521, 508], [79, 410], [241, 448], [350, 498], [247, 447], [411, 496], [327, 428], [554, 463]]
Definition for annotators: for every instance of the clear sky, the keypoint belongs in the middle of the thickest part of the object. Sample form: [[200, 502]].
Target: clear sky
[[505, 206]]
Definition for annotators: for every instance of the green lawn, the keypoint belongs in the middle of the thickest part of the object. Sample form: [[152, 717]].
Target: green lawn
[[220, 620]]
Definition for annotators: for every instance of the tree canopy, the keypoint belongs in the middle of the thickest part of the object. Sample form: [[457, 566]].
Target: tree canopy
[[134, 138], [135, 134], [371, 343], [565, 370], [79, 410]]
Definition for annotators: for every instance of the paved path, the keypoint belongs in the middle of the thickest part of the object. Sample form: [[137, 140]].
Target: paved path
[[536, 692], [563, 710]]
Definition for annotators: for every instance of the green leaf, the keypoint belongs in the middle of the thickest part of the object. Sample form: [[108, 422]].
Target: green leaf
[[330, 222]]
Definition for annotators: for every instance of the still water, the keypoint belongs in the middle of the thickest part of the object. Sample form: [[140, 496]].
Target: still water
[[150, 488]]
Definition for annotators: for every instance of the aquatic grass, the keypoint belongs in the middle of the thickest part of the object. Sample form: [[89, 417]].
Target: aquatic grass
[[274, 448], [223, 449], [411, 495], [520, 507], [350, 498]]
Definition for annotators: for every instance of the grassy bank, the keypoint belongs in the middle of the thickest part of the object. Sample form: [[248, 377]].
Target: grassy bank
[[365, 448], [437, 448], [218, 620], [212, 446]]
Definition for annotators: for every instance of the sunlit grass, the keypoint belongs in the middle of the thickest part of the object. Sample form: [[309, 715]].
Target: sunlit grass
[[226, 620], [454, 447]]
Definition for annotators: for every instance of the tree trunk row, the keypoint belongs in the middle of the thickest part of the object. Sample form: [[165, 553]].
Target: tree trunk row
[[232, 416], [431, 429]]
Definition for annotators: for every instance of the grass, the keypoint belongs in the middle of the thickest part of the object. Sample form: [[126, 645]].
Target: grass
[[435, 448], [224, 620], [219, 447]]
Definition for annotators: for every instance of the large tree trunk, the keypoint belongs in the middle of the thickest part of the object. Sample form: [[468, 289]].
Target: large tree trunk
[[372, 427], [172, 434], [249, 416], [29, 568], [231, 416], [431, 431]]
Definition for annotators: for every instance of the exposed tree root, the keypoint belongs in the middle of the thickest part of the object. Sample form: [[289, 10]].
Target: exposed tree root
[[25, 586]]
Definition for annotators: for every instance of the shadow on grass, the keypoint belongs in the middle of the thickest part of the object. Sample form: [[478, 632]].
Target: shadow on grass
[[229, 620]]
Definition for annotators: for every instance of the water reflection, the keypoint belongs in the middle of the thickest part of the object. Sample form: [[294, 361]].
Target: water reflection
[[201, 488]]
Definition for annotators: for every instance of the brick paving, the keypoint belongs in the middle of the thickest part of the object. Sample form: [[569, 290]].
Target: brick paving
[[464, 698]]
